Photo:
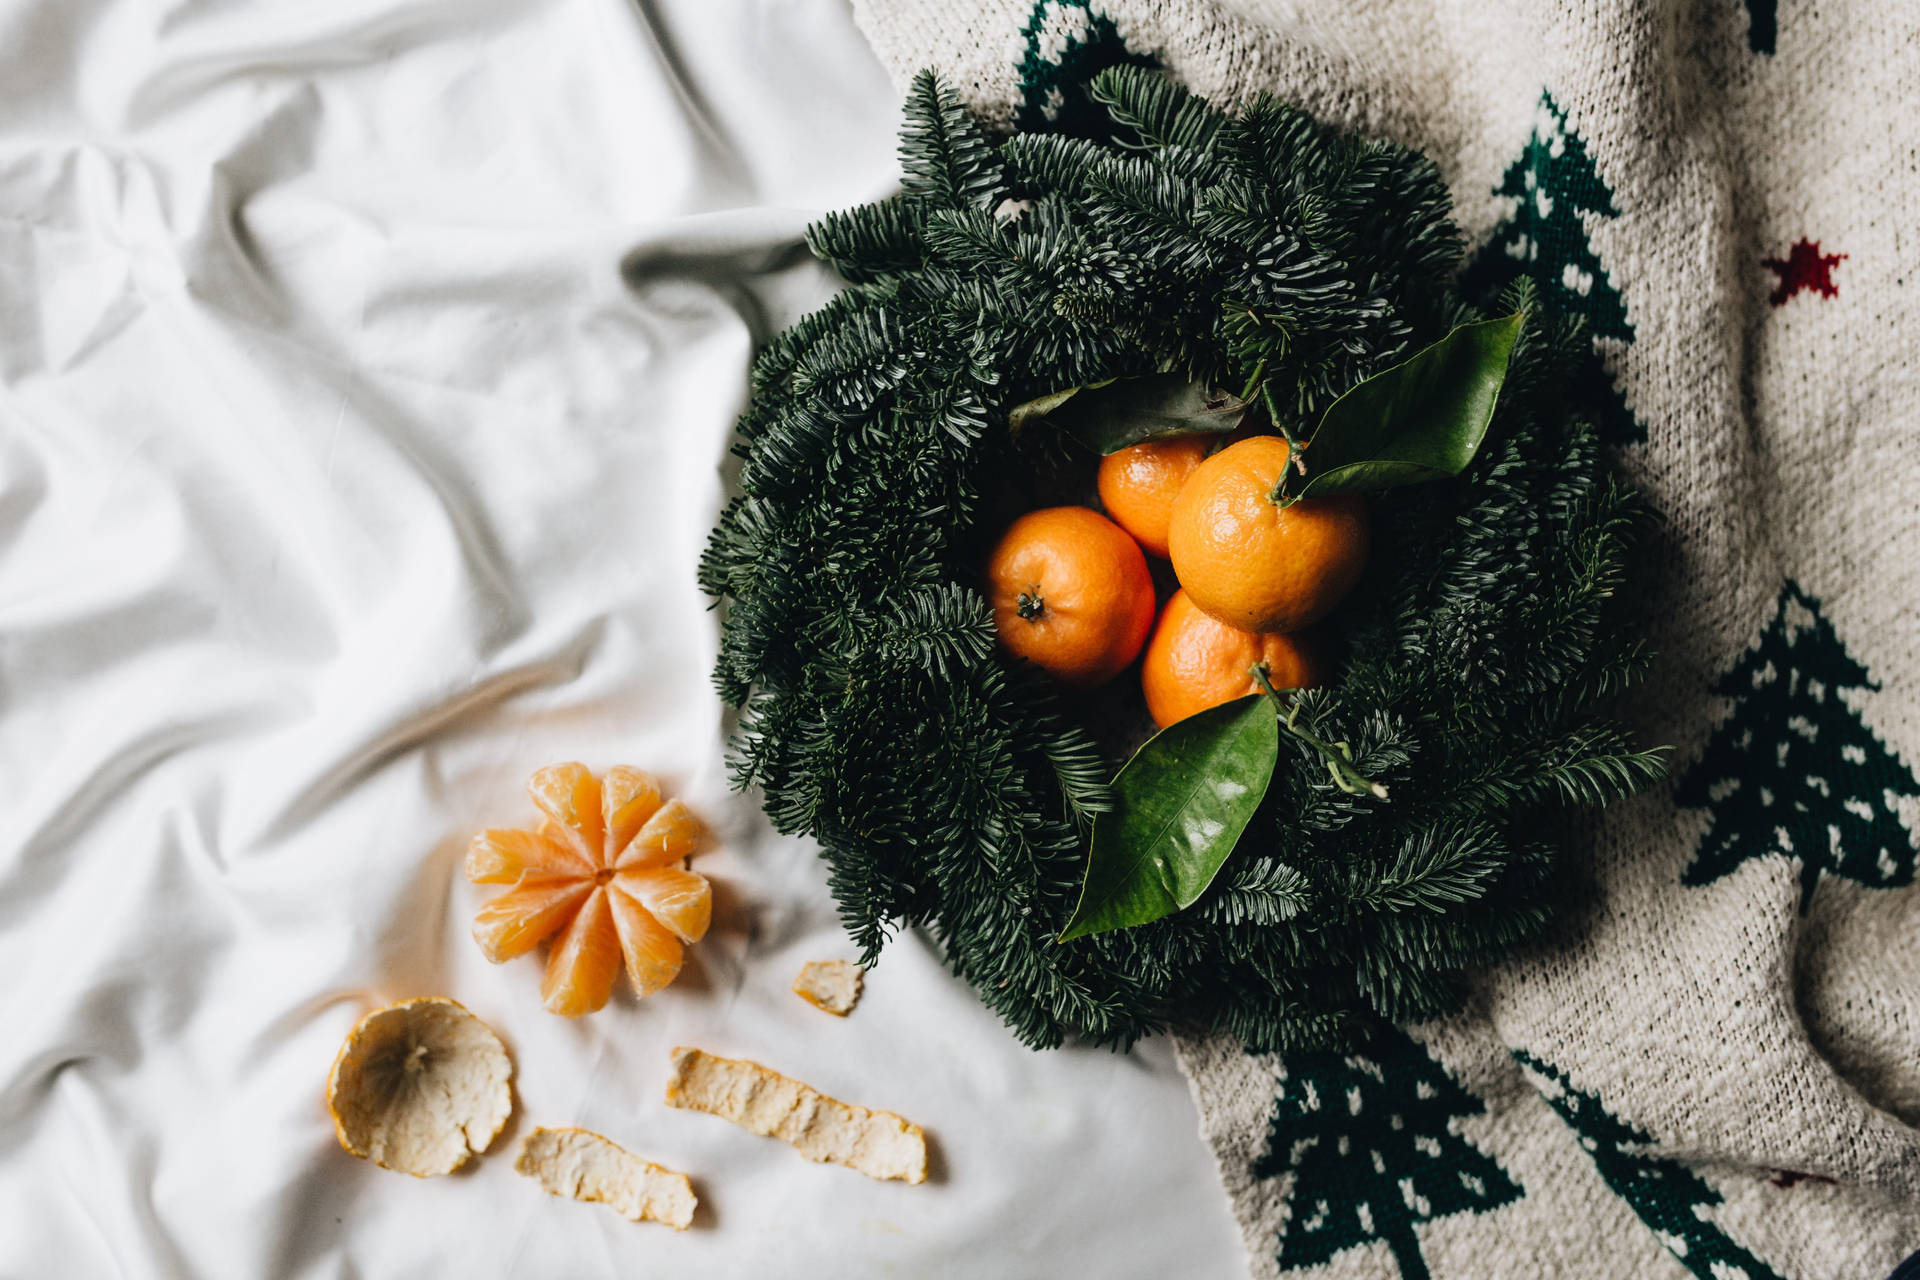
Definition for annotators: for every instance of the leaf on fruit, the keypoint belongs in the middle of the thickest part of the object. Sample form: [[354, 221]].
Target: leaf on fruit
[[1423, 419], [1029, 411], [1179, 807], [1110, 416]]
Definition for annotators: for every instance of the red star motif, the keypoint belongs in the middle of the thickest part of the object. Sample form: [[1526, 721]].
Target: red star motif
[[1804, 267]]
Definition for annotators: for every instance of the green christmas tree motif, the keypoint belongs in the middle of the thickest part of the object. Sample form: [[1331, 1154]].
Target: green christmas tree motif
[[1794, 771], [1666, 1195], [1763, 25], [1066, 45], [1367, 1146], [1552, 184]]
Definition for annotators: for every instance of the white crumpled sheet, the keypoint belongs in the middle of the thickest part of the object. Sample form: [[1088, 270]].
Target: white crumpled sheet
[[366, 373]]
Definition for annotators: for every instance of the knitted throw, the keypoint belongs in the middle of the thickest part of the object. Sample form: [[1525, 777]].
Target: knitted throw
[[1715, 1071]]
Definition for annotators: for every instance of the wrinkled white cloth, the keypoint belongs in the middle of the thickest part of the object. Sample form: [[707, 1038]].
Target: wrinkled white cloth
[[366, 374]]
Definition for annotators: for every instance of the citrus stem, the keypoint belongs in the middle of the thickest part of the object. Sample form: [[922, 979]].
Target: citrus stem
[[1273, 412], [1295, 462], [1029, 605], [1339, 762], [1255, 382]]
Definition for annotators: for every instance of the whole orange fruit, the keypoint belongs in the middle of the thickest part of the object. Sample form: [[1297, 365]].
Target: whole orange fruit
[[1138, 485], [1253, 563], [1196, 661], [1071, 593]]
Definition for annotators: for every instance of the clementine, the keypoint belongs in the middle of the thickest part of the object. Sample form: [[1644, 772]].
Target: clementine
[[1071, 593], [1138, 485], [1252, 562], [603, 877], [1196, 661]]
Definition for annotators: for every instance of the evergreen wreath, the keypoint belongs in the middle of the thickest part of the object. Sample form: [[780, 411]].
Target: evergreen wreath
[[950, 787]]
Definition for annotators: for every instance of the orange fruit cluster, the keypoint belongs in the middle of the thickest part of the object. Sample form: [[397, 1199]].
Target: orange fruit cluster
[[603, 876], [1071, 591]]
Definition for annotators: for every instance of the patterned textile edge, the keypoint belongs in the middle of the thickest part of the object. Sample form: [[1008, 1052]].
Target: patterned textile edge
[[1717, 1073]]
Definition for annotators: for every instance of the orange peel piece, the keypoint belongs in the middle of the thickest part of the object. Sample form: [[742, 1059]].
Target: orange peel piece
[[760, 1100], [602, 877], [829, 985], [582, 1165], [419, 1087]]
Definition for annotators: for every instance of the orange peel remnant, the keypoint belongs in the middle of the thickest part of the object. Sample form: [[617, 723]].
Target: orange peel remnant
[[420, 1086], [831, 985], [760, 1100], [585, 1166], [603, 877]]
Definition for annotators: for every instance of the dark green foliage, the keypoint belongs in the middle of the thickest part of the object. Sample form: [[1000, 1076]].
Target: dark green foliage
[[949, 787]]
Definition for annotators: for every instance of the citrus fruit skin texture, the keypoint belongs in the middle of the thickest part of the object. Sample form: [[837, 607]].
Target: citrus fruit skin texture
[[1253, 563], [1139, 483], [1196, 661], [420, 1086], [581, 1164], [825, 1130], [603, 877], [1071, 593]]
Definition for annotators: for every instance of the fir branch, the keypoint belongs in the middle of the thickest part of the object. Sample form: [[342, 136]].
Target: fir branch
[[1435, 866], [1050, 164], [943, 154], [951, 789], [1159, 112], [1595, 765], [869, 243], [1266, 891]]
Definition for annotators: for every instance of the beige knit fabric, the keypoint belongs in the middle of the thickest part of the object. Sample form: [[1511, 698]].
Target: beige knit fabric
[[1745, 1039]]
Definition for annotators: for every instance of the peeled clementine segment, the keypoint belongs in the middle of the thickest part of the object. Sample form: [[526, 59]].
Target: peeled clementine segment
[[628, 797], [668, 836], [678, 899], [584, 961], [600, 910], [570, 795], [653, 954], [505, 856], [526, 915]]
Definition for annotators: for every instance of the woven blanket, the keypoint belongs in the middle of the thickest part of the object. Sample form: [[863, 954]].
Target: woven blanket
[[1714, 1069]]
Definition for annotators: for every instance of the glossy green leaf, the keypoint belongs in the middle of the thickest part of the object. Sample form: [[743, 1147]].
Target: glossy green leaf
[[1110, 416], [1179, 807], [1029, 411], [1423, 419]]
